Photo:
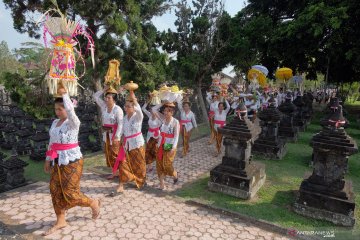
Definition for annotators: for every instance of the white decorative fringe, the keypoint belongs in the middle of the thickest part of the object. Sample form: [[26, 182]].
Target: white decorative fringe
[[71, 86]]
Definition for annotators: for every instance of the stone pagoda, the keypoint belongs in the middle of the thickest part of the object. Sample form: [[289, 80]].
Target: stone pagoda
[[13, 169], [237, 175], [325, 194], [287, 129], [269, 144]]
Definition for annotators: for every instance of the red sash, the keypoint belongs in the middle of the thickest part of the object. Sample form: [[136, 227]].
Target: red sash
[[155, 131], [114, 129], [121, 156], [161, 148], [55, 147], [221, 123]]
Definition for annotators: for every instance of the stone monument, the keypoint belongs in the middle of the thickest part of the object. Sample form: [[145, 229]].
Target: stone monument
[[269, 144], [287, 129], [237, 175], [325, 194]]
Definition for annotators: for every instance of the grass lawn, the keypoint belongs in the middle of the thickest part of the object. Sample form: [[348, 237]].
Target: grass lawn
[[274, 200]]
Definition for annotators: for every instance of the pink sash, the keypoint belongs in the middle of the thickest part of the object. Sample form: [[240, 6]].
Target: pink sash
[[55, 147], [121, 156], [221, 123]]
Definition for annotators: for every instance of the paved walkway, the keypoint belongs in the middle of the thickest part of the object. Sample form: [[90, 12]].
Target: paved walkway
[[147, 214]]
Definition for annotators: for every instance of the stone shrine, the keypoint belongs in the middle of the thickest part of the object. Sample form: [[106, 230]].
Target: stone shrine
[[13, 169], [269, 144], [325, 194], [237, 175], [287, 130], [299, 118]]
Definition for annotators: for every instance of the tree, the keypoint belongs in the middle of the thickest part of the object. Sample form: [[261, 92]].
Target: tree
[[198, 43], [121, 29], [8, 60], [308, 36]]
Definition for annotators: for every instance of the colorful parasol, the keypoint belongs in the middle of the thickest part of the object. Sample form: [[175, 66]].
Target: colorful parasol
[[284, 74], [257, 75], [262, 69]]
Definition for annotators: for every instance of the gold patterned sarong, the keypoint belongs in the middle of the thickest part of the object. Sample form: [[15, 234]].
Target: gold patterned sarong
[[212, 130], [186, 139], [65, 187], [151, 150], [218, 137], [134, 167], [164, 167], [111, 151]]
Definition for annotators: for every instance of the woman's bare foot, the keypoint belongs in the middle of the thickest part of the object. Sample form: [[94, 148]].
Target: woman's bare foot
[[96, 209], [120, 189], [54, 228]]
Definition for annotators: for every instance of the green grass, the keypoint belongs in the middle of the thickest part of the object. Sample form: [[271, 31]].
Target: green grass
[[274, 200]]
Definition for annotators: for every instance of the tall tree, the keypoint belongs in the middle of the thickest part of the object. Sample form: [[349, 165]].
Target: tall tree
[[121, 29], [308, 36], [198, 43]]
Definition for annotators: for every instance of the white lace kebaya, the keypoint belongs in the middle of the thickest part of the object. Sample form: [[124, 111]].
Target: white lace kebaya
[[131, 127], [66, 133], [115, 116], [153, 123], [189, 118]]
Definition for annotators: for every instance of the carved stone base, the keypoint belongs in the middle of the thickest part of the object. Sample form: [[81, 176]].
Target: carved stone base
[[336, 218], [316, 203], [244, 186], [270, 149], [288, 134]]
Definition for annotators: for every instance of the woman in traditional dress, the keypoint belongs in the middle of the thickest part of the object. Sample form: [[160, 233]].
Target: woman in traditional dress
[[131, 158], [213, 101], [167, 144], [187, 123], [64, 162], [112, 119], [152, 136], [220, 121]]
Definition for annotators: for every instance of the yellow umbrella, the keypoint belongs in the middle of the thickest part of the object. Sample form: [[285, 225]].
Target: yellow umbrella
[[260, 77], [284, 74]]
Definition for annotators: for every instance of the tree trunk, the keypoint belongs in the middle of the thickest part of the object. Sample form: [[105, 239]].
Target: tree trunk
[[202, 105]]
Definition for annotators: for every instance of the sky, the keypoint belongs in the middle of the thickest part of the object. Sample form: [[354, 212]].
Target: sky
[[14, 38]]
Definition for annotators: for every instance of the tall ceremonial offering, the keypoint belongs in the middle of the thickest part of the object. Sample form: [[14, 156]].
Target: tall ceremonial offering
[[131, 87], [215, 85], [66, 50], [112, 77], [187, 93], [224, 86]]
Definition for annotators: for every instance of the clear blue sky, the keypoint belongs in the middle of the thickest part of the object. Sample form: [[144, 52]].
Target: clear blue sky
[[14, 38]]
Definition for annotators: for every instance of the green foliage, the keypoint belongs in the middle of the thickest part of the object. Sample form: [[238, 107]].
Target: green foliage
[[198, 41], [26, 96], [308, 36]]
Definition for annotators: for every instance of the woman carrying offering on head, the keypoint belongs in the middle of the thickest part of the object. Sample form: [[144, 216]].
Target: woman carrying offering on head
[[219, 122], [131, 158], [187, 123], [152, 135], [167, 144], [112, 119], [64, 161]]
